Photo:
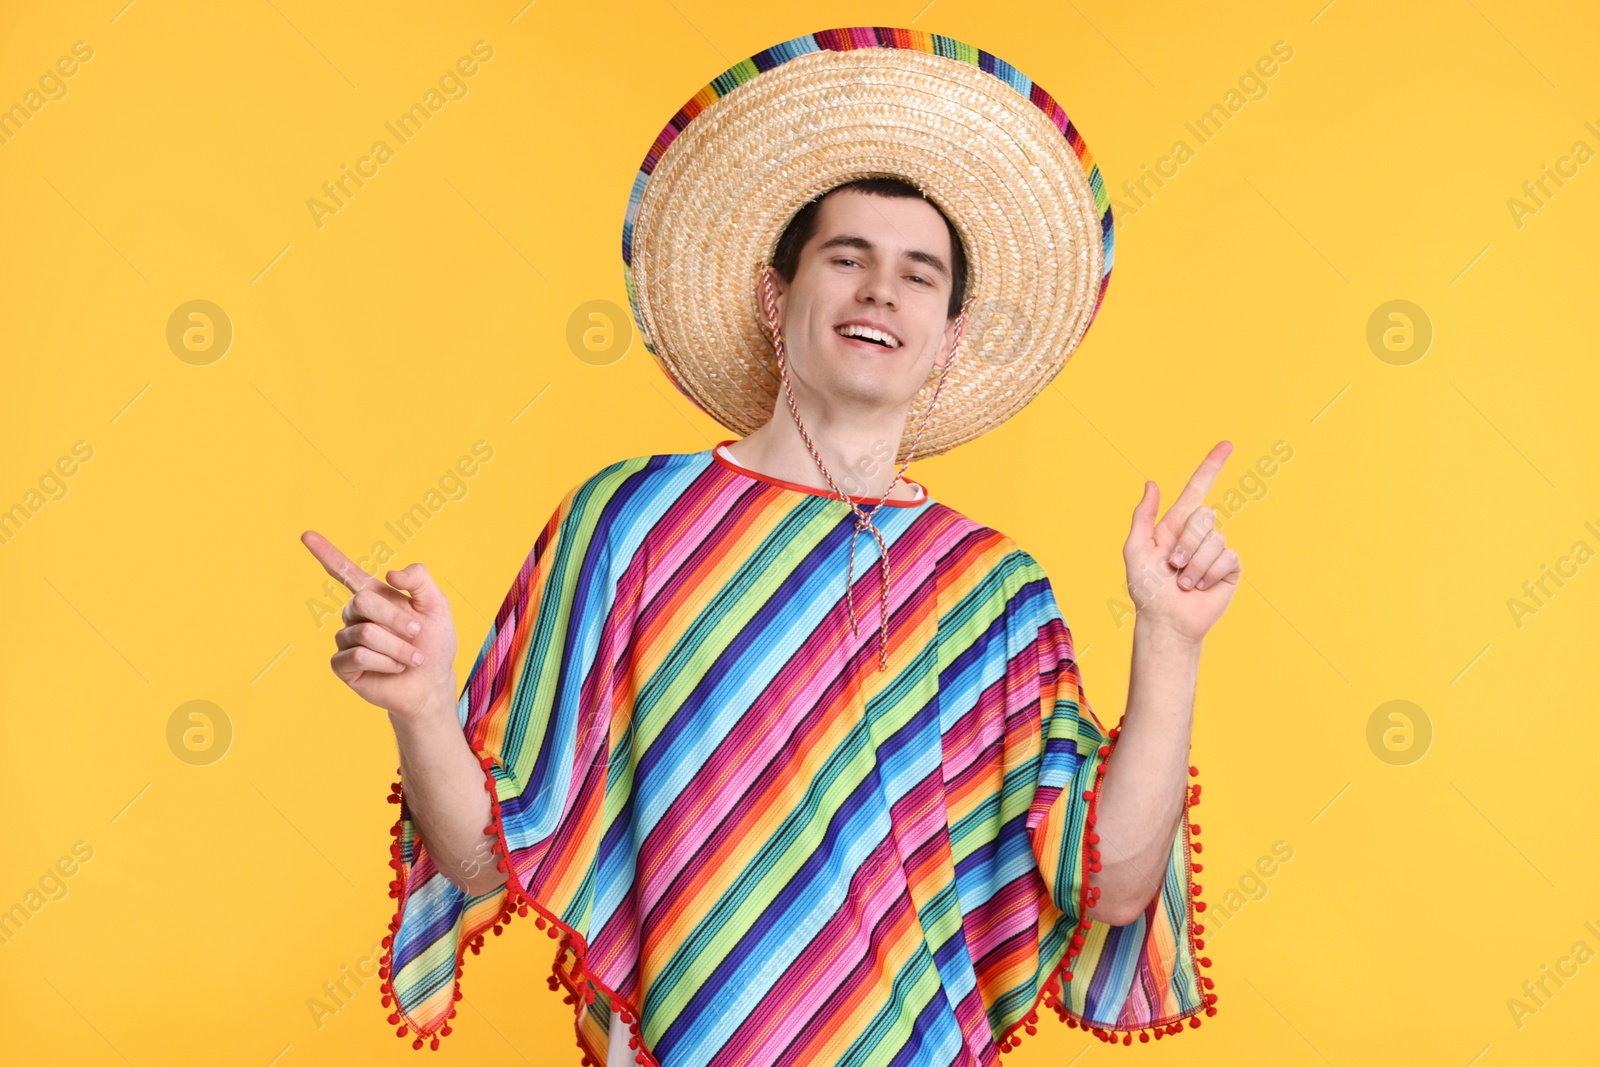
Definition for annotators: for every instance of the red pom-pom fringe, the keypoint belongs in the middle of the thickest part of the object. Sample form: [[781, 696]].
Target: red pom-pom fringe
[[515, 903], [1052, 994]]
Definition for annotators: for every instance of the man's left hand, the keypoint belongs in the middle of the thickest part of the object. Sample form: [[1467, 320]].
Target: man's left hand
[[1181, 574]]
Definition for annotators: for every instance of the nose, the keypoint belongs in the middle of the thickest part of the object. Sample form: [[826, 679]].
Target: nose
[[877, 285]]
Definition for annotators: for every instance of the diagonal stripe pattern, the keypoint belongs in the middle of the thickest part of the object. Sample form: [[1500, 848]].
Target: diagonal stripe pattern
[[748, 841]]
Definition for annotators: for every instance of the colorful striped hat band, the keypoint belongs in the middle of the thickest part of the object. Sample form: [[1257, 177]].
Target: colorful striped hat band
[[987, 146], [769, 306]]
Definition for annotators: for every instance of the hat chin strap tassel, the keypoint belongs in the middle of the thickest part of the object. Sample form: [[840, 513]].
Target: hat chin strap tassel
[[770, 306]]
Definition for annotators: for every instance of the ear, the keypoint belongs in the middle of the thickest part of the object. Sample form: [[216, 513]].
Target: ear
[[779, 289], [947, 342]]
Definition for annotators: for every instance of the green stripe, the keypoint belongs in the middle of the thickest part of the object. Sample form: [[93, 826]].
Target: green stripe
[[786, 849], [727, 614], [891, 1028], [734, 77], [534, 695]]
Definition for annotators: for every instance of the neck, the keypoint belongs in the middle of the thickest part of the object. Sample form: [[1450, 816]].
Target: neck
[[861, 457]]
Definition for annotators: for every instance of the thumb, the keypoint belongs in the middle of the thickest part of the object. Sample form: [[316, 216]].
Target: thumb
[[416, 580], [1144, 513]]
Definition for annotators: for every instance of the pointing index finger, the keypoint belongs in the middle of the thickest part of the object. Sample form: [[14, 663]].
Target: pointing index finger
[[335, 562], [1194, 493]]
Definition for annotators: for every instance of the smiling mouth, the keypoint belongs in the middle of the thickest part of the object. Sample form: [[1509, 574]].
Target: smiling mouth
[[877, 346], [864, 336]]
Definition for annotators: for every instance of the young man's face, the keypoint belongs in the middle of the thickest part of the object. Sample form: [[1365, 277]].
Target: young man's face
[[878, 261]]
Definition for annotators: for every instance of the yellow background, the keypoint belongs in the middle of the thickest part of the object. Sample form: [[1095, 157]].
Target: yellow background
[[1379, 563]]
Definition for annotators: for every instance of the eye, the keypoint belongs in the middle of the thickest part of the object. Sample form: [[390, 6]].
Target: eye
[[919, 278], [843, 259]]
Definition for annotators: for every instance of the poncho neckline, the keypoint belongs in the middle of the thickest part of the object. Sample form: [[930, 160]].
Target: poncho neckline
[[726, 459]]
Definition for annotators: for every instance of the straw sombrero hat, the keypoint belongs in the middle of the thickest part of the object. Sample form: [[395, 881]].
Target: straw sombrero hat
[[989, 147]]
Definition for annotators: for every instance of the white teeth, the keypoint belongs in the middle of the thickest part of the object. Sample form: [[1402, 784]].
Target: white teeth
[[867, 332]]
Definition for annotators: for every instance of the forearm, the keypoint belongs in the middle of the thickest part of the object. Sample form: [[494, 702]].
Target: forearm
[[443, 783], [1141, 795]]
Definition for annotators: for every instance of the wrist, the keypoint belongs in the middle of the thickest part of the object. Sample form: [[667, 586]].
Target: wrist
[[437, 710], [1163, 639]]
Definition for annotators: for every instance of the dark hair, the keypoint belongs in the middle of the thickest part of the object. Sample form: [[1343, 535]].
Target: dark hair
[[801, 228]]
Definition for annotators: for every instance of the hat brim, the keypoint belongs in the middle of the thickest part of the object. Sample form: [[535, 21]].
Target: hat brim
[[985, 144]]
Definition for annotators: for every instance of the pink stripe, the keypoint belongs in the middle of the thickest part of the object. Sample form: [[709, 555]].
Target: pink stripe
[[976, 731], [774, 728], [845, 943], [917, 815], [1003, 907], [660, 867], [693, 537]]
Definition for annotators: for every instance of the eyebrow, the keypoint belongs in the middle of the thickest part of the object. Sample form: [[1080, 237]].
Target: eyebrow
[[850, 240]]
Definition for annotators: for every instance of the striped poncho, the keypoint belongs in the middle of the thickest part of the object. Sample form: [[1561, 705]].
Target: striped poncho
[[751, 845]]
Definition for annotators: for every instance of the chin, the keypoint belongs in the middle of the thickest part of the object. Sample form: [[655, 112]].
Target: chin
[[877, 389]]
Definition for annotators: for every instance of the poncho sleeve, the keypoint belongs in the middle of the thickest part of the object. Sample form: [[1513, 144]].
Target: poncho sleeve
[[1143, 976], [537, 711]]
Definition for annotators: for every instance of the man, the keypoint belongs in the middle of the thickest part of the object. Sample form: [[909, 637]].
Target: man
[[759, 835]]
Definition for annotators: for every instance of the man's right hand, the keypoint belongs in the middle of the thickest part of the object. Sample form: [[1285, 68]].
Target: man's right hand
[[386, 630]]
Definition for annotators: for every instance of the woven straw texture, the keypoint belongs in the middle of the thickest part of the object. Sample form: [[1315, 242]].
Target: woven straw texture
[[983, 142]]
